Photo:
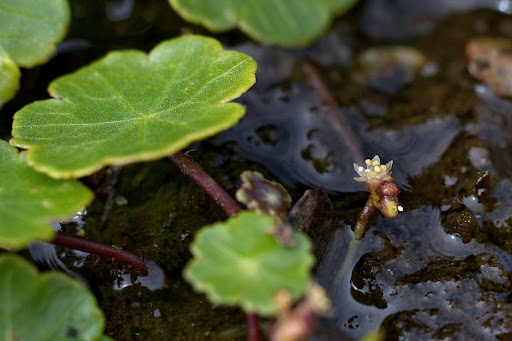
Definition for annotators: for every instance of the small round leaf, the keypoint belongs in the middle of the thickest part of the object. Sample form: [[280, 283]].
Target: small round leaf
[[239, 262], [45, 307], [283, 22], [29, 33], [130, 106], [29, 201]]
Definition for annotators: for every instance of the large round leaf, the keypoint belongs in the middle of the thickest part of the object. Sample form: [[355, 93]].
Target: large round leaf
[[29, 33], [48, 306], [283, 22], [130, 106], [29, 201], [239, 262]]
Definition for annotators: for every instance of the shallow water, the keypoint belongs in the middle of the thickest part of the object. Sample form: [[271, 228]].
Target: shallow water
[[441, 269]]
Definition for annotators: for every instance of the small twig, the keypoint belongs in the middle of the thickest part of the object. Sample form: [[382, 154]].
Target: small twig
[[333, 109], [227, 204], [203, 180], [103, 250]]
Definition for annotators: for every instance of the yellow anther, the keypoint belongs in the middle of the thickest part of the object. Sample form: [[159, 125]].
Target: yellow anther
[[368, 162], [360, 169], [383, 168], [375, 163], [377, 169]]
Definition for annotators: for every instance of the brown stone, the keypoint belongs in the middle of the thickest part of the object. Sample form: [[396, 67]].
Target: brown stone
[[314, 215]]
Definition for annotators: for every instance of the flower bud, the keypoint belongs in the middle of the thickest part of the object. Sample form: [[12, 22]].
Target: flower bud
[[389, 189], [389, 206]]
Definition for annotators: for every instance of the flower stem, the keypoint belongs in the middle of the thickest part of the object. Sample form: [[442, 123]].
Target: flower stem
[[227, 204], [103, 250], [347, 261], [206, 182], [363, 218]]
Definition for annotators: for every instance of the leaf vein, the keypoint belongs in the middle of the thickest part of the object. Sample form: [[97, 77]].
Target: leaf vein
[[206, 84], [116, 93], [99, 124]]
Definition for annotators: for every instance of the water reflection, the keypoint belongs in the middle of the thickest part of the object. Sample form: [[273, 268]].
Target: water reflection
[[408, 270]]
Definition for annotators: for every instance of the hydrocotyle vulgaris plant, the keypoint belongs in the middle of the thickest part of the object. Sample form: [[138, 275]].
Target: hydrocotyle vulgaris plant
[[75, 127], [114, 100], [255, 259], [109, 112], [57, 306], [80, 127], [265, 197], [377, 179]]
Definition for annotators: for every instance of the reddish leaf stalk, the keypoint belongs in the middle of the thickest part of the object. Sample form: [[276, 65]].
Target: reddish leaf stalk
[[103, 250], [203, 180], [333, 109], [227, 204], [252, 322]]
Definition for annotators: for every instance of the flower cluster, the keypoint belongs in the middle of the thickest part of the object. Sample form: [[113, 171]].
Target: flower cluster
[[374, 171]]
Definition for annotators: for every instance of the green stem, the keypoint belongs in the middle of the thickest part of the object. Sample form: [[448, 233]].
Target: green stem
[[347, 261], [359, 230]]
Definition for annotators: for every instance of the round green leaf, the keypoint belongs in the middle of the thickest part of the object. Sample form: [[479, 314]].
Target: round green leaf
[[283, 22], [30, 30], [29, 201], [29, 33], [130, 106], [239, 262], [48, 306], [9, 77]]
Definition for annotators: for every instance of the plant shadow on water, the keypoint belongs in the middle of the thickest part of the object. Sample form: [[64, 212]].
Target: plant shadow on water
[[440, 269]]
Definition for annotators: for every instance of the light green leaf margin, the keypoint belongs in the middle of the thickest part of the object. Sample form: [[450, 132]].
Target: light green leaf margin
[[283, 22], [130, 106]]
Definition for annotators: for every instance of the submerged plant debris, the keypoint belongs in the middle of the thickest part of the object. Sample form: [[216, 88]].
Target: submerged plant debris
[[440, 270]]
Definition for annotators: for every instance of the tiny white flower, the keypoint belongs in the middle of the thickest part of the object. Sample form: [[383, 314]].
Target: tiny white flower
[[374, 171]]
